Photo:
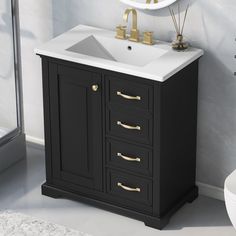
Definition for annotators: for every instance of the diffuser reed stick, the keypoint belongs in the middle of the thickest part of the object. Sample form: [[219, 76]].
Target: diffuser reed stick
[[175, 22], [185, 16], [179, 15], [179, 29]]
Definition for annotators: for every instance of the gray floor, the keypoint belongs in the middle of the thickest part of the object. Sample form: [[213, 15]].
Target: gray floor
[[20, 191]]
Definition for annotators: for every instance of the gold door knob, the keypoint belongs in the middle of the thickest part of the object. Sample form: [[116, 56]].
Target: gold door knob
[[95, 87]]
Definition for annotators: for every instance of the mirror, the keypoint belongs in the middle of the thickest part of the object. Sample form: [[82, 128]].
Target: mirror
[[148, 4]]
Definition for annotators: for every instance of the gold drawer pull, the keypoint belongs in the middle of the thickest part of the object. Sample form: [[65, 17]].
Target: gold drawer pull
[[128, 97], [128, 158], [128, 188], [128, 126]]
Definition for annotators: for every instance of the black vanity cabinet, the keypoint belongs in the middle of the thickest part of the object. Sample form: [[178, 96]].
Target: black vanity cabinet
[[76, 126], [120, 142]]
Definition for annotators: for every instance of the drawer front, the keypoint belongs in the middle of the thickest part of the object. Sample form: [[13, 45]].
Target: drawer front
[[131, 94], [132, 126], [136, 189], [129, 157]]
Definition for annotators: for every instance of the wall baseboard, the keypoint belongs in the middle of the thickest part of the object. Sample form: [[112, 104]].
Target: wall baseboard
[[211, 191], [204, 189], [35, 142]]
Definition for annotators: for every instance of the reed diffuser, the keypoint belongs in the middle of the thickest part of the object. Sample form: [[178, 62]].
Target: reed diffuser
[[179, 44]]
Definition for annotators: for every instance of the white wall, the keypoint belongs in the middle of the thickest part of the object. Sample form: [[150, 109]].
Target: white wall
[[38, 20], [36, 28], [210, 25]]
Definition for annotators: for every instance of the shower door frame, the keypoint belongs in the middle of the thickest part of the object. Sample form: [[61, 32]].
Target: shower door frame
[[12, 145], [17, 72]]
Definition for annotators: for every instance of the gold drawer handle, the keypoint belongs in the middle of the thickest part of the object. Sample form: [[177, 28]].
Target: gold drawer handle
[[128, 126], [128, 97], [128, 158], [128, 188]]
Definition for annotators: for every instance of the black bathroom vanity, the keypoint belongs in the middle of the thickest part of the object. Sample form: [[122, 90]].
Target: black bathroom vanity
[[122, 142]]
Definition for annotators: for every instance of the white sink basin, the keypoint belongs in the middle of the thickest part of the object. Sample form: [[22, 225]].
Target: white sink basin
[[99, 48], [117, 50]]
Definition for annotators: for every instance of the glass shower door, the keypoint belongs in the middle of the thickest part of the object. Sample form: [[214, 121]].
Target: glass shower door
[[8, 100], [12, 138]]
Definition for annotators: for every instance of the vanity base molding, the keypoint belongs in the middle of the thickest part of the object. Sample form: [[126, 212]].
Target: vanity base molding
[[150, 221]]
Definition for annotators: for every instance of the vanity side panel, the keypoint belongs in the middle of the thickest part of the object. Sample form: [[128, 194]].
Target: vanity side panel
[[156, 149], [47, 118], [178, 132]]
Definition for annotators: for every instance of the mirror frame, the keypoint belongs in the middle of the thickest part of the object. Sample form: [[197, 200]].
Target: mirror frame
[[152, 6]]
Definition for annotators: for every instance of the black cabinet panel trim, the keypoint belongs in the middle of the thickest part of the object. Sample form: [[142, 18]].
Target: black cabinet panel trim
[[129, 141]]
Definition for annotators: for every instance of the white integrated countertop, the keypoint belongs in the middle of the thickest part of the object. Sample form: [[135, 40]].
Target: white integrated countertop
[[159, 69]]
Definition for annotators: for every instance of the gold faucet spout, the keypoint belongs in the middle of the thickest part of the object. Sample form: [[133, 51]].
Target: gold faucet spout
[[149, 1], [134, 19], [134, 35]]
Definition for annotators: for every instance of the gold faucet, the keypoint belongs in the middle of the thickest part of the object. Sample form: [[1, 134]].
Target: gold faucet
[[149, 1], [134, 34]]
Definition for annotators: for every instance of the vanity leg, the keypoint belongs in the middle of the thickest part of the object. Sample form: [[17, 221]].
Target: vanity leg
[[157, 223], [50, 192], [160, 223], [193, 196]]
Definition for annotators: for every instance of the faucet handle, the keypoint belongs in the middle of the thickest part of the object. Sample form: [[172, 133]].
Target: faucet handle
[[148, 38], [121, 32], [134, 35]]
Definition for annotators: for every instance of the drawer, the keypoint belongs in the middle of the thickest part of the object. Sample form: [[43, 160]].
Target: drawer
[[126, 186], [131, 94], [130, 125], [129, 157]]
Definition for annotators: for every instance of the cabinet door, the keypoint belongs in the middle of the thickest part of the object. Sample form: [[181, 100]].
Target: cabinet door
[[76, 123]]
